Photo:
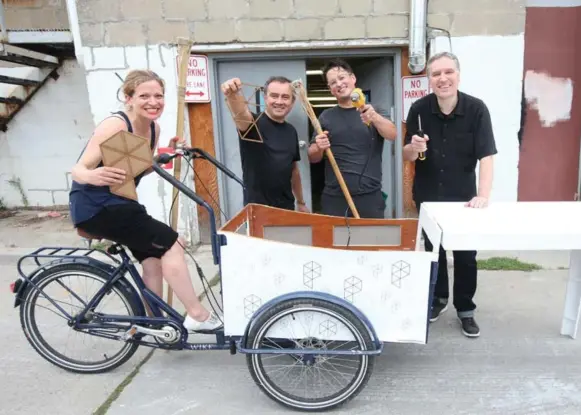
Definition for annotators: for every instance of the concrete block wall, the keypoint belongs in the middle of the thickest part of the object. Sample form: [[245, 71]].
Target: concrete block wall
[[36, 14], [137, 22], [44, 140]]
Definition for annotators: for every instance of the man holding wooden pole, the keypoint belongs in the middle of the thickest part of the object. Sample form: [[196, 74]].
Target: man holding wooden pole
[[356, 136]]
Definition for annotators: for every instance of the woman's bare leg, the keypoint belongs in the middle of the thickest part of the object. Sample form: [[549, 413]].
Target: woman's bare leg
[[153, 275], [176, 273]]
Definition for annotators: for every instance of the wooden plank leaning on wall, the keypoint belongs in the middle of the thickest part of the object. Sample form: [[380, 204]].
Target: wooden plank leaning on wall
[[205, 175], [409, 207]]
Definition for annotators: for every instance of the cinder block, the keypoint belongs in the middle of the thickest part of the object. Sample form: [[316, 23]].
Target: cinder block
[[440, 21], [355, 7], [124, 34], [259, 30], [91, 11], [382, 7], [214, 32], [345, 28], [92, 34], [107, 58], [141, 9], [303, 29], [462, 6], [310, 8], [228, 9], [473, 24], [271, 8], [191, 10], [136, 57], [159, 31], [387, 26]]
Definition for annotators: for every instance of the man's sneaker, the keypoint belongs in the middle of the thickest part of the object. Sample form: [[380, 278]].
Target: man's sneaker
[[437, 309], [213, 323], [469, 327]]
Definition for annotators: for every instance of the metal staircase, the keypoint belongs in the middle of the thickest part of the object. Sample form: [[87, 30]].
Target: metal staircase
[[23, 72]]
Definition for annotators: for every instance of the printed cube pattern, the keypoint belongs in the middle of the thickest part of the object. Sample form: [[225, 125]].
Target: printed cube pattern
[[352, 286], [399, 270], [311, 271], [251, 304]]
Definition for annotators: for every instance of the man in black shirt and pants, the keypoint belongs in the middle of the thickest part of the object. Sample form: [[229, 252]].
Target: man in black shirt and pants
[[269, 146], [457, 134], [356, 137]]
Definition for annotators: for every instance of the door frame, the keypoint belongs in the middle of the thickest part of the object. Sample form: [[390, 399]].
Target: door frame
[[215, 58]]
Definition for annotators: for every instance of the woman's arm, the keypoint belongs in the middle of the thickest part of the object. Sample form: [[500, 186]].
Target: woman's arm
[[84, 171]]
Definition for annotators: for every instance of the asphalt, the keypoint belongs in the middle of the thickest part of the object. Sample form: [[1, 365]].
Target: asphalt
[[519, 365]]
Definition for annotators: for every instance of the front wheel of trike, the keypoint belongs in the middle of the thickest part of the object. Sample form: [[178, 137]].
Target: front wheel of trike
[[309, 329]]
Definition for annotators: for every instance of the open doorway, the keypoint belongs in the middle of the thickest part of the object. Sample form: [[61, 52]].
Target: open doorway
[[375, 77]]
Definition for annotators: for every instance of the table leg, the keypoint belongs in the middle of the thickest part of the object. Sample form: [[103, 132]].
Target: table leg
[[572, 311]]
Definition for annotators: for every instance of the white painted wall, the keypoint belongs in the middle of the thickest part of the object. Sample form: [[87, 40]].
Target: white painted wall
[[491, 68], [101, 65], [44, 140]]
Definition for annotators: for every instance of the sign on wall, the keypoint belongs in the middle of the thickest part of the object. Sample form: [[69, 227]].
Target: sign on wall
[[413, 88], [197, 79]]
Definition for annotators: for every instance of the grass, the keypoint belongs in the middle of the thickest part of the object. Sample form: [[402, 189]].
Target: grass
[[506, 264]]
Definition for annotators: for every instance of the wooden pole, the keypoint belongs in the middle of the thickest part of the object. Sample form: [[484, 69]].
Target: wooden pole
[[184, 48], [302, 96]]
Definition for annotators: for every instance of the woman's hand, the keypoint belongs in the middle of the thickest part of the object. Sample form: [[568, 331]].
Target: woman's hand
[[106, 176], [173, 142]]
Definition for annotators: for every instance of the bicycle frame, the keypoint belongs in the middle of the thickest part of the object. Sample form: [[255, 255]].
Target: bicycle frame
[[143, 295]]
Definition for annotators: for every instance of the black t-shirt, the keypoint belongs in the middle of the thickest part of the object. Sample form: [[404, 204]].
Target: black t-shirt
[[456, 142], [357, 148], [267, 166]]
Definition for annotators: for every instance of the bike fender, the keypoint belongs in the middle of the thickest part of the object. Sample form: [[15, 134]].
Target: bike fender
[[311, 295]]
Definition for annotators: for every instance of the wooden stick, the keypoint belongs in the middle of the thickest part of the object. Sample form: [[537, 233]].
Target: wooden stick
[[184, 48], [302, 97]]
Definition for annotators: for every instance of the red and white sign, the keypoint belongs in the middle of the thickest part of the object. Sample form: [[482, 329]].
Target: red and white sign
[[197, 79], [413, 88]]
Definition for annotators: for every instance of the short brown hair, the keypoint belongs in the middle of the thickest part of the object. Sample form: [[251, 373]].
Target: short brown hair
[[137, 77]]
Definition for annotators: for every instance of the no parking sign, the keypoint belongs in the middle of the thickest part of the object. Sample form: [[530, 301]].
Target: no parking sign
[[413, 88]]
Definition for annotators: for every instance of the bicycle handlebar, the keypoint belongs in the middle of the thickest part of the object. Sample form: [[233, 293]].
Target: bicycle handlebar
[[165, 158]]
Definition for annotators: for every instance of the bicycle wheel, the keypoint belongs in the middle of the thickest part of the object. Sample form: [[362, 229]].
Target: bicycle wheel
[[310, 324], [57, 283]]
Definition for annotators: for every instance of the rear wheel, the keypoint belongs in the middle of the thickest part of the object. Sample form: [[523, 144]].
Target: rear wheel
[[47, 329], [310, 381]]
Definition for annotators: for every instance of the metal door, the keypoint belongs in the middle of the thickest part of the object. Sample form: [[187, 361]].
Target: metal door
[[256, 72]]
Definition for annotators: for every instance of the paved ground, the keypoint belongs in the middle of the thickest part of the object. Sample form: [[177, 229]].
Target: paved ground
[[520, 365]]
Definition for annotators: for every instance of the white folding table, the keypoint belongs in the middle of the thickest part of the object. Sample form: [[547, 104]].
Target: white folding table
[[512, 226]]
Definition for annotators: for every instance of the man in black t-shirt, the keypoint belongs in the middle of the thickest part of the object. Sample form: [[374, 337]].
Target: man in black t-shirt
[[458, 136], [357, 147], [269, 147]]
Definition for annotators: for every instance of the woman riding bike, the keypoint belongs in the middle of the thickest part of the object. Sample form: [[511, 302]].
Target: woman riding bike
[[96, 211]]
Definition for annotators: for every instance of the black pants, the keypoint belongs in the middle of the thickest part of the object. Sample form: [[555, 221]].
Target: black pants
[[465, 272], [369, 205]]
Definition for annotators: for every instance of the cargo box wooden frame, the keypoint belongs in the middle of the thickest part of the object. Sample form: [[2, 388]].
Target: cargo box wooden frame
[[131, 153]]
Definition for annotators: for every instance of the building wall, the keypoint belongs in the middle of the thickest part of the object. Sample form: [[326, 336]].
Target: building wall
[[36, 14], [137, 22], [549, 168], [44, 140]]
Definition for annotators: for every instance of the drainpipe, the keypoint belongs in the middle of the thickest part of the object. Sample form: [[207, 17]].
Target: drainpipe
[[417, 35], [3, 23], [75, 30]]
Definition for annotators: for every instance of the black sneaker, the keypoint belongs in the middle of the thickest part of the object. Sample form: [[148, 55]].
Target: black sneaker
[[469, 327], [438, 308]]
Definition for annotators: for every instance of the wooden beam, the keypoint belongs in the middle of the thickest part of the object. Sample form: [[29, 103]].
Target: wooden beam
[[206, 175]]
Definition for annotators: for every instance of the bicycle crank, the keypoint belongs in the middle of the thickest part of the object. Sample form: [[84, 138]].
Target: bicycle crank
[[167, 334]]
